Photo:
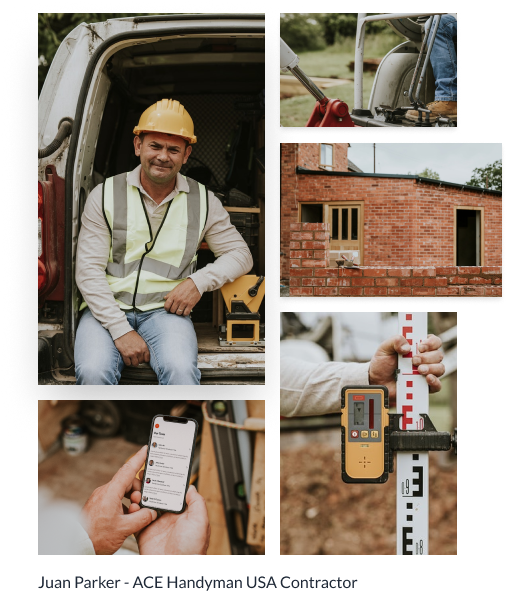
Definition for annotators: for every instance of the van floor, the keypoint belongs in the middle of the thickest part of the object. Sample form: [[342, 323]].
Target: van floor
[[74, 478]]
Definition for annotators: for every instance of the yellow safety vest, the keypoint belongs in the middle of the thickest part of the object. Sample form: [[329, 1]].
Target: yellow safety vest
[[142, 269]]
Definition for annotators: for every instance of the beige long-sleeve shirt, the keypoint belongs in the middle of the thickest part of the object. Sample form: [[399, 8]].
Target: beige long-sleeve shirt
[[309, 389], [233, 256]]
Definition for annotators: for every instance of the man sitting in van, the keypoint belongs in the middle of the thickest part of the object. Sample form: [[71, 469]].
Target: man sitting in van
[[137, 256]]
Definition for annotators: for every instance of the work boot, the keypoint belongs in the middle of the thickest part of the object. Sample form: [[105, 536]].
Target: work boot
[[446, 109]]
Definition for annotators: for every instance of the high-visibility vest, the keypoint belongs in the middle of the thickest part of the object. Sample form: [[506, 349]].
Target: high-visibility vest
[[142, 269]]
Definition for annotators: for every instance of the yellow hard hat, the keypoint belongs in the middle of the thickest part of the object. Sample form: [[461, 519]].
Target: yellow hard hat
[[169, 117]]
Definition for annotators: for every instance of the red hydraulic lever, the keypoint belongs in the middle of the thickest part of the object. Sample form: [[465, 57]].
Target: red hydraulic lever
[[330, 114]]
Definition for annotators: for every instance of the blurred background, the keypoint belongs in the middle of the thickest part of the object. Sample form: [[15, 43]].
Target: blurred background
[[320, 514]]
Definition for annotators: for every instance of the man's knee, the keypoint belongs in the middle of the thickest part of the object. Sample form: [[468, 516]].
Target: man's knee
[[180, 372], [445, 20], [96, 372]]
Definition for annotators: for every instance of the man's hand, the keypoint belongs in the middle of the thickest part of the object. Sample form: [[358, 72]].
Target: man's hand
[[182, 299], [133, 349], [385, 362], [105, 519], [175, 534]]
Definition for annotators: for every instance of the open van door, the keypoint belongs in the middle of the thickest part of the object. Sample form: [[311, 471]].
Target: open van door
[[103, 76]]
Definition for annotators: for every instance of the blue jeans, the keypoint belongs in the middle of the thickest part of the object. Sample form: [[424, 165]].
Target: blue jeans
[[443, 59], [170, 338]]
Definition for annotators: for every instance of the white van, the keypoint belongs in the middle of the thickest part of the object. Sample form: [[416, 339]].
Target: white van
[[102, 78]]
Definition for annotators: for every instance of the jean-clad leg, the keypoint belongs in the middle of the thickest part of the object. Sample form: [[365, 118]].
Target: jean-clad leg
[[444, 60], [173, 347], [97, 360]]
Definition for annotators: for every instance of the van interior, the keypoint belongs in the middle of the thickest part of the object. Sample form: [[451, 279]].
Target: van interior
[[220, 81]]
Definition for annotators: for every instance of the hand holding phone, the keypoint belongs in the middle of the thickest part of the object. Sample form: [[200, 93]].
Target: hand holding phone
[[187, 533], [168, 463]]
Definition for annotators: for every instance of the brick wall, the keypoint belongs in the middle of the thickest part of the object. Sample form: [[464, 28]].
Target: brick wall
[[406, 222], [308, 155], [310, 274]]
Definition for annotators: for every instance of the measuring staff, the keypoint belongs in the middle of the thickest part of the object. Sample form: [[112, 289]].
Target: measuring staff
[[309, 389]]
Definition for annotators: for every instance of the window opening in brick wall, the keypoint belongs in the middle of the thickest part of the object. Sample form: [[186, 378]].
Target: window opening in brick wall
[[469, 236], [346, 222], [312, 213], [326, 156]]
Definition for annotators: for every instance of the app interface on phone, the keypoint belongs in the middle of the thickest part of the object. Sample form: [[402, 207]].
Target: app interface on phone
[[165, 476]]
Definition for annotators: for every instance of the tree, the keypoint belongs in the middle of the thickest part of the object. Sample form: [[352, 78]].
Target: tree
[[302, 32], [489, 177], [54, 27], [427, 172]]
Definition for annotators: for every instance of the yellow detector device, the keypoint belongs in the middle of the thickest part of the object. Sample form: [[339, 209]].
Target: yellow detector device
[[365, 434]]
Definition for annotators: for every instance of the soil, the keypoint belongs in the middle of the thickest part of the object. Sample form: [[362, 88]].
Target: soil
[[322, 515]]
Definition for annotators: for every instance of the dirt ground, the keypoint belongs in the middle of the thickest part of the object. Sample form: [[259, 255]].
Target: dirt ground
[[321, 515]]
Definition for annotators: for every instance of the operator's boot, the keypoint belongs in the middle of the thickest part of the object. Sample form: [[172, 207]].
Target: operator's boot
[[446, 109]]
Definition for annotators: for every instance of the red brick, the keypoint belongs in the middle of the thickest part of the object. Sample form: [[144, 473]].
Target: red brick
[[329, 272], [458, 280], [492, 291], [497, 281], [315, 226], [351, 291], [301, 236], [423, 272], [301, 291], [338, 282], [478, 280], [295, 263], [469, 270], [375, 291], [295, 281], [321, 254], [387, 282], [314, 282], [362, 282], [411, 282], [491, 270], [423, 291], [295, 226], [351, 272], [295, 245], [320, 235], [314, 263], [374, 272], [436, 282], [301, 254], [315, 245], [325, 291], [398, 271], [446, 270], [302, 272], [399, 291], [447, 291], [471, 291]]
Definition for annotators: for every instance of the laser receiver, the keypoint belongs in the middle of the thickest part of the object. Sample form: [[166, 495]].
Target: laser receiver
[[365, 427]]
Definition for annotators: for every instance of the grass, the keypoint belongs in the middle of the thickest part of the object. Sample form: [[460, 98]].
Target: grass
[[333, 62]]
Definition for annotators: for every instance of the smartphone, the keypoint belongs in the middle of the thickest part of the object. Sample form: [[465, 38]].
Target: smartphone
[[168, 463]]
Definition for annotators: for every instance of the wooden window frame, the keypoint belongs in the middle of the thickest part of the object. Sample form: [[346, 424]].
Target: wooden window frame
[[325, 165], [455, 238], [325, 215]]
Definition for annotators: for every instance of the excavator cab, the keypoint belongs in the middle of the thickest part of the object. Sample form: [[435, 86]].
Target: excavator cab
[[404, 80]]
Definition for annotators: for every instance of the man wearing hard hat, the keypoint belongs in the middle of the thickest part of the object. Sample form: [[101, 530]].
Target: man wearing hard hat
[[137, 256]]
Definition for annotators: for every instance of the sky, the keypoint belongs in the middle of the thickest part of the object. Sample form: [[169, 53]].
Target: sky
[[454, 162]]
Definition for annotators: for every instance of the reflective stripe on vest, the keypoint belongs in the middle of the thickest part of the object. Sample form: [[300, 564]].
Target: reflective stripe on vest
[[141, 269]]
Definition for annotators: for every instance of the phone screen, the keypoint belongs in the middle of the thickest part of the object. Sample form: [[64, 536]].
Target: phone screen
[[168, 463]]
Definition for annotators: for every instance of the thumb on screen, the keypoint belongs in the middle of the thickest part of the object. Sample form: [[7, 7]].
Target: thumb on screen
[[133, 522]]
